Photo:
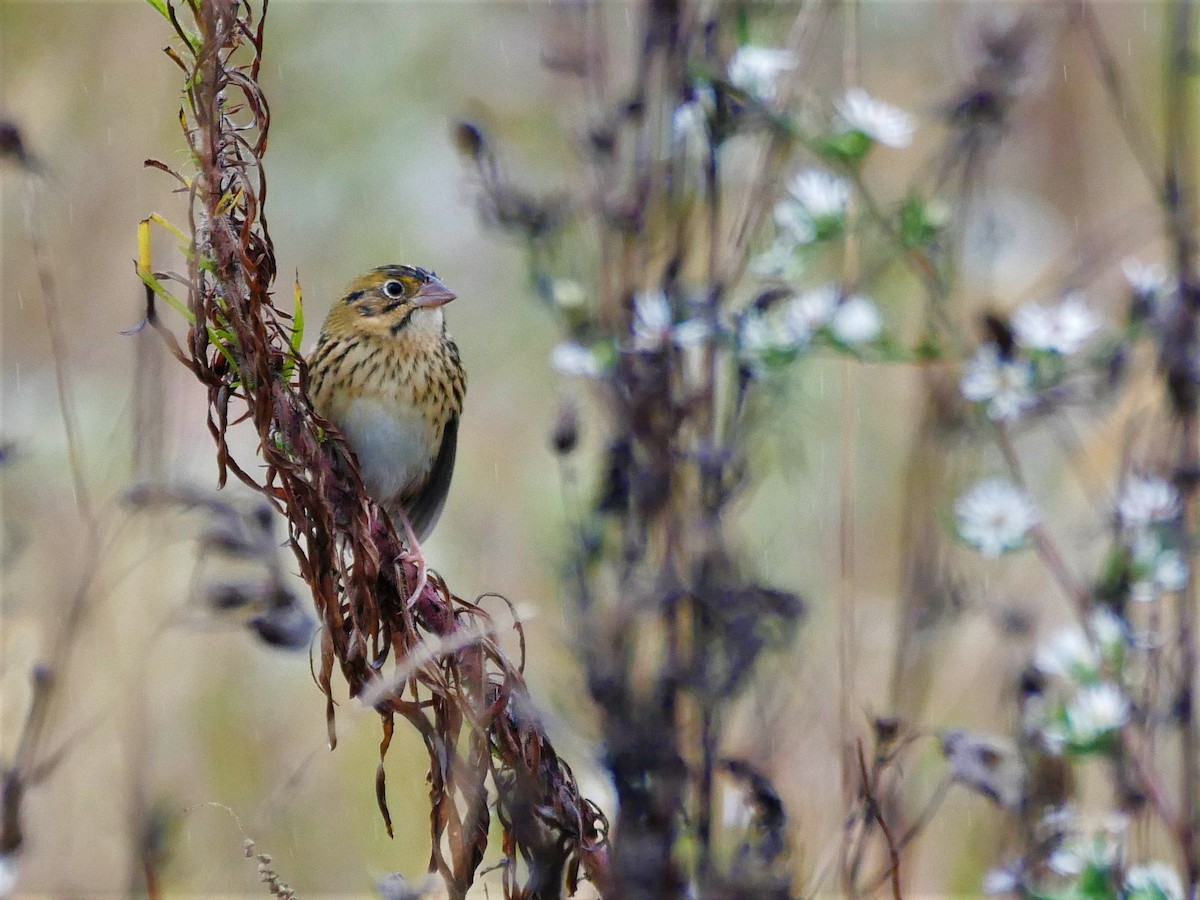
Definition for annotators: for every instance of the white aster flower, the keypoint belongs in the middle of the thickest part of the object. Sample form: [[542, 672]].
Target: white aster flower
[[757, 70], [1171, 571], [878, 120], [1071, 653], [795, 226], [1003, 384], [1061, 329], [691, 333], [822, 194], [571, 358], [1078, 853], [1153, 881], [759, 336], [1147, 499], [1162, 568], [1001, 881], [651, 320], [856, 321], [567, 293], [995, 516], [736, 809], [1145, 279], [1068, 653], [689, 121], [779, 262], [1096, 711], [810, 312], [1108, 630]]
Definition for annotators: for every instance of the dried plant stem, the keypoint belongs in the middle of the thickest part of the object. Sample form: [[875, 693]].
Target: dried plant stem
[[1189, 664], [1179, 199], [1043, 543], [58, 355], [847, 588], [450, 679]]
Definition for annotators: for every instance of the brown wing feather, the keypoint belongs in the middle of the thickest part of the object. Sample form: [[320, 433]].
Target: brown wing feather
[[425, 506]]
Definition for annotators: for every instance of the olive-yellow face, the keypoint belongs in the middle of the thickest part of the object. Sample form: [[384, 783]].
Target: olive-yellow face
[[392, 298]]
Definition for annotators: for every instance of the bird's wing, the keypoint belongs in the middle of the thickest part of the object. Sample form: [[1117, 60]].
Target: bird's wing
[[426, 505]]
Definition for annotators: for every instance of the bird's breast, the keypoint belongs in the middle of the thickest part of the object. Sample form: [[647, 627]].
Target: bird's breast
[[392, 400], [394, 442]]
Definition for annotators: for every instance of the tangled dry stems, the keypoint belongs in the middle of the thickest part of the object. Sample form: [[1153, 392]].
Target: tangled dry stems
[[464, 698]]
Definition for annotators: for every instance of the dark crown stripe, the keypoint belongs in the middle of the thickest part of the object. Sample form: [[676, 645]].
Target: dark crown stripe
[[395, 271]]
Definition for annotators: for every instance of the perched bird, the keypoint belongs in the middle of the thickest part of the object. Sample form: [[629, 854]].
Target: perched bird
[[387, 374]]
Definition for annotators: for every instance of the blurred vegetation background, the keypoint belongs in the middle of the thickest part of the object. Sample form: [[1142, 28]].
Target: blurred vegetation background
[[170, 712]]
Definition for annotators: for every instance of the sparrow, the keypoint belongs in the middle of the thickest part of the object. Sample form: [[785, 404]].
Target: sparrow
[[387, 374]]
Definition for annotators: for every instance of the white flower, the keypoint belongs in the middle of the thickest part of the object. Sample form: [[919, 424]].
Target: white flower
[[571, 358], [1163, 569], [736, 809], [779, 262], [1072, 654], [818, 198], [1146, 279], [756, 70], [689, 121], [567, 293], [1108, 630], [1171, 571], [1062, 329], [1096, 711], [1068, 653], [856, 321], [995, 516], [1001, 881], [691, 333], [1004, 384], [1077, 854], [822, 194], [880, 121], [1153, 881], [759, 336], [794, 224], [651, 320], [1147, 499], [810, 312]]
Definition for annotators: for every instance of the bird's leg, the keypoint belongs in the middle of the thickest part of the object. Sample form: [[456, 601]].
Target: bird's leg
[[414, 555]]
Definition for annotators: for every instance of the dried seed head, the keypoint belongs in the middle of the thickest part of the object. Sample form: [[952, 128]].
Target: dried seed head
[[470, 140], [566, 430]]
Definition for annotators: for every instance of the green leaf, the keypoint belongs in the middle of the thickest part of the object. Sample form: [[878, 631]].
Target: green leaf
[[297, 336], [174, 302], [918, 227], [850, 147], [298, 320], [164, 10]]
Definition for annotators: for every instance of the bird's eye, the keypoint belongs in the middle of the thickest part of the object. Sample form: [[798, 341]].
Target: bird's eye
[[393, 289]]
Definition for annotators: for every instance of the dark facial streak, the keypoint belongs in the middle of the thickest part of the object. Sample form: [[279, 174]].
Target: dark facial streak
[[397, 327]]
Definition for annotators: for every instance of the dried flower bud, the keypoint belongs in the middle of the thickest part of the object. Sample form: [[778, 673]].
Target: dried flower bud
[[11, 143], [470, 140], [566, 430], [887, 728], [286, 626]]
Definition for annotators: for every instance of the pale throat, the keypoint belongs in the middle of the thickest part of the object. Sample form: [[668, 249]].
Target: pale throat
[[428, 321]]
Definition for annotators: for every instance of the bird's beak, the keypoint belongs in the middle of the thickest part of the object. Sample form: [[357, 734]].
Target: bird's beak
[[433, 293]]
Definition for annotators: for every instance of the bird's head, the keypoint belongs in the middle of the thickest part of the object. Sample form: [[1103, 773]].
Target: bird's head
[[392, 300]]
